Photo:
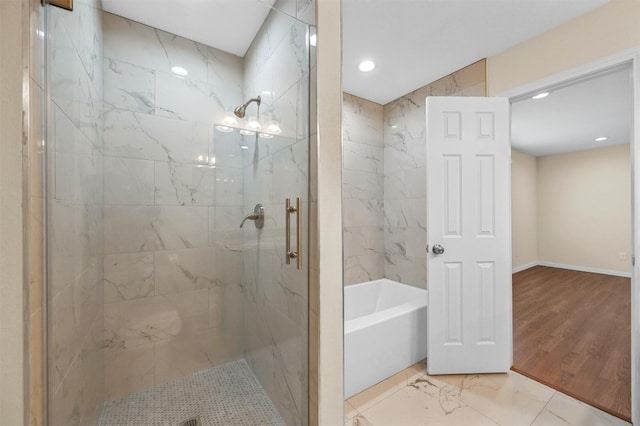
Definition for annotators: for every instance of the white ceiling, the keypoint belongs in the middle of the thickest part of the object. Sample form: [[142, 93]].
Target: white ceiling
[[415, 42], [229, 25], [571, 117]]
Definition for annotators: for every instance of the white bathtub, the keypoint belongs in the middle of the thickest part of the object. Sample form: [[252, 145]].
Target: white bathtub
[[385, 331]]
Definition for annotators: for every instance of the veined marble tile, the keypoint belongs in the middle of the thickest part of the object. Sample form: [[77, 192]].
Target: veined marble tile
[[362, 107], [224, 69], [394, 214], [398, 158], [416, 242], [129, 87], [225, 307], [363, 157], [183, 355], [184, 184], [128, 276], [505, 398], [129, 370], [358, 211], [184, 270], [436, 405], [380, 391], [394, 186], [284, 6], [76, 229], [563, 411], [362, 240], [406, 270], [306, 10], [149, 137], [135, 43], [226, 148], [228, 187], [363, 129], [128, 181], [363, 268], [79, 178], [137, 322], [358, 184], [72, 88], [66, 400], [290, 172], [231, 258], [69, 139], [415, 181], [143, 228], [289, 61], [191, 100]]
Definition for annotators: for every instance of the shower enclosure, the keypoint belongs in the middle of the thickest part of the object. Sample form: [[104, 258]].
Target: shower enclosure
[[156, 298]]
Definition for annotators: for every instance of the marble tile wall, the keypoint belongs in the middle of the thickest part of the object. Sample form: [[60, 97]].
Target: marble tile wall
[[405, 173], [75, 216], [173, 202], [362, 183], [275, 294]]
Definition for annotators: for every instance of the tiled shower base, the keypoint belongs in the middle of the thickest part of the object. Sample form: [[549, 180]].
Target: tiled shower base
[[228, 394]]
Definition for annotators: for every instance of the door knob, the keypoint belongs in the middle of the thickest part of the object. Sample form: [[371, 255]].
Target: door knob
[[437, 249]]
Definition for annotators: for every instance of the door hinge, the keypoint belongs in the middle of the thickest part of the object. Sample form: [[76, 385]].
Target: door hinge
[[633, 261], [427, 248]]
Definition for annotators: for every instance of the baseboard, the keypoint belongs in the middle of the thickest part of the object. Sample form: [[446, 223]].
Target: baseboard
[[586, 269], [524, 267]]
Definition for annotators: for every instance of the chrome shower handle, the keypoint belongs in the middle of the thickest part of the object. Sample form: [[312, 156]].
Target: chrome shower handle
[[297, 254], [257, 216]]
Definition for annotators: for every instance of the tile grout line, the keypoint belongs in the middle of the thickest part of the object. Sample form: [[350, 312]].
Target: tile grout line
[[543, 408]]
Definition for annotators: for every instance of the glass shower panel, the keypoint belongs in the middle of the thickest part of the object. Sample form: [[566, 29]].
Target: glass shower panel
[[276, 162], [151, 281]]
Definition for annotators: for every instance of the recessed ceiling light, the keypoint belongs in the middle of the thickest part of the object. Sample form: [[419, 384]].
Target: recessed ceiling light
[[366, 66], [179, 71], [601, 139], [540, 95]]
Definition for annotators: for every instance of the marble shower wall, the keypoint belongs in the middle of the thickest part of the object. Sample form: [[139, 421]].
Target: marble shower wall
[[405, 173], [363, 195], [75, 216], [276, 294], [173, 202]]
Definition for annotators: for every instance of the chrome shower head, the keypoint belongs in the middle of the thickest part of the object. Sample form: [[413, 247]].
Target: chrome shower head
[[240, 110]]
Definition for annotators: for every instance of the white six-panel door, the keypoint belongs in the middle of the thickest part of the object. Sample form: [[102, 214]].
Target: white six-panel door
[[468, 216]]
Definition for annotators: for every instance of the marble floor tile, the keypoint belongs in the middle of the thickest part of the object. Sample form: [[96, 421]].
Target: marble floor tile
[[424, 403], [384, 389], [411, 397], [563, 410], [509, 399]]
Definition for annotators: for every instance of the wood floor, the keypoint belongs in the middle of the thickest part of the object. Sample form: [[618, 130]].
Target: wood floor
[[572, 332]]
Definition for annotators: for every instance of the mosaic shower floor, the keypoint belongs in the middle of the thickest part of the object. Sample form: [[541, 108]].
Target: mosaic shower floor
[[227, 395]]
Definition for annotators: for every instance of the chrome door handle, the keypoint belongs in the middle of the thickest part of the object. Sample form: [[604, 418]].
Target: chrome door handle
[[437, 249], [289, 210]]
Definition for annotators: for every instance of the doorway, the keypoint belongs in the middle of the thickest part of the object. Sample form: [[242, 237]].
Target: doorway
[[572, 236]]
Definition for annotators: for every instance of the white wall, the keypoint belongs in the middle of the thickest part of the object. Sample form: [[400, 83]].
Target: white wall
[[584, 208], [524, 211]]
